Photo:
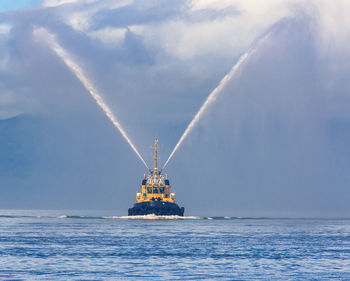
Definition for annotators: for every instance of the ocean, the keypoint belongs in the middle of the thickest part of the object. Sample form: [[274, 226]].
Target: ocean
[[76, 245]]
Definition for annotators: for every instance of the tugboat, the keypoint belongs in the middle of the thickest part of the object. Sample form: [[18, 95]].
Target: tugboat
[[155, 196]]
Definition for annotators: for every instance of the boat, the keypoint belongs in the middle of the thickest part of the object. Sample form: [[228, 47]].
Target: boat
[[155, 196]]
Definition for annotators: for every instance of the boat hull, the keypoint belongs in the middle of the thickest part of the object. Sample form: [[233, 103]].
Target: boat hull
[[158, 208]]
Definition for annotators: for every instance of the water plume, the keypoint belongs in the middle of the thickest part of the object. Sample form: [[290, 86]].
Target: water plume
[[214, 94], [50, 39]]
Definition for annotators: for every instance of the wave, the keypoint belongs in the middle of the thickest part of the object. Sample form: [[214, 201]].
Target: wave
[[15, 216], [220, 218], [145, 217], [81, 217], [152, 217]]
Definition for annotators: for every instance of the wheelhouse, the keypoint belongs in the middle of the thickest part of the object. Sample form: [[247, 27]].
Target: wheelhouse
[[155, 186]]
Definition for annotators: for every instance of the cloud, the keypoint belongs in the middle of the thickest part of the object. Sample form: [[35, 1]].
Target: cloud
[[109, 36], [193, 33], [4, 56], [228, 35], [211, 4], [81, 17], [332, 26], [5, 29], [55, 3]]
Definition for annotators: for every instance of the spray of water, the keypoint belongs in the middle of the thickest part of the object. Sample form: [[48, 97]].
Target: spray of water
[[214, 94], [50, 39]]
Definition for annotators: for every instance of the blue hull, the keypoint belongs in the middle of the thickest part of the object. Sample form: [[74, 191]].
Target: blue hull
[[158, 208]]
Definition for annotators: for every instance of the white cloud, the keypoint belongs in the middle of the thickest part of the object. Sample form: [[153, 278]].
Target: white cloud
[[228, 35], [5, 28], [4, 54], [333, 28], [55, 3], [210, 4], [80, 18], [138, 29], [109, 36]]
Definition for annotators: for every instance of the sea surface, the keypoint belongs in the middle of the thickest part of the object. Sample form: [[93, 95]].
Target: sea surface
[[76, 245]]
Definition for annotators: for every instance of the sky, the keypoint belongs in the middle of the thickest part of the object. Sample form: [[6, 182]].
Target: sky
[[274, 143]]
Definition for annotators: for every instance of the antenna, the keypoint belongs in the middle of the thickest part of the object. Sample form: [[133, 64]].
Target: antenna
[[155, 156]]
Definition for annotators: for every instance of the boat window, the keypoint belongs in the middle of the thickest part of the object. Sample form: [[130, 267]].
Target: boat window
[[161, 189], [155, 190], [149, 189]]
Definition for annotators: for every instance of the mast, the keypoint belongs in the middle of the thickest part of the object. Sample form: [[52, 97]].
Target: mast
[[155, 156]]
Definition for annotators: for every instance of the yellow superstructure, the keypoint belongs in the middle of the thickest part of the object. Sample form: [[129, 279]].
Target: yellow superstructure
[[155, 187]]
